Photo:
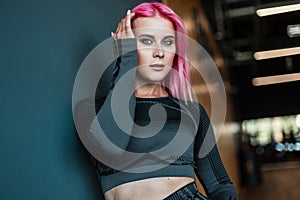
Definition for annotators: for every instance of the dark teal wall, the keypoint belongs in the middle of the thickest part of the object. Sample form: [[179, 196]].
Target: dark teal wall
[[42, 44]]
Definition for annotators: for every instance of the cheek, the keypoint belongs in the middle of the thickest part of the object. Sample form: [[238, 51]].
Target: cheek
[[144, 56], [170, 54], [170, 58]]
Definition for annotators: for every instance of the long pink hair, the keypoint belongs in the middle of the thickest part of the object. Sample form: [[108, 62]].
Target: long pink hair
[[177, 83]]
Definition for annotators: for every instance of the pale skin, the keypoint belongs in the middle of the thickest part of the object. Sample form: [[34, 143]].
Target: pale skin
[[156, 50]]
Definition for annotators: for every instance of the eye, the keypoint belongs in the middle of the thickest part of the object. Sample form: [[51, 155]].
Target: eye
[[146, 41], [168, 42]]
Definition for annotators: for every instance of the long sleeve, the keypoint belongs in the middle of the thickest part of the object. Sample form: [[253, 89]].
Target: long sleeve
[[112, 112], [100, 134], [209, 168]]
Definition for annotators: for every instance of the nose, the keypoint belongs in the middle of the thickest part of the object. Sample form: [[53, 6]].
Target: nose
[[158, 52]]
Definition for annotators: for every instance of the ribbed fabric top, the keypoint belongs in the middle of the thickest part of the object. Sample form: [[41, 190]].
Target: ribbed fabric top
[[153, 131]]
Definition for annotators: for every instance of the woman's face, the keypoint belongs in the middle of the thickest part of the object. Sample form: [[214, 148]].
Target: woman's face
[[156, 48]]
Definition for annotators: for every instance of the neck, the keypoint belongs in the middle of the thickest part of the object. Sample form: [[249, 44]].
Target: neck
[[151, 90]]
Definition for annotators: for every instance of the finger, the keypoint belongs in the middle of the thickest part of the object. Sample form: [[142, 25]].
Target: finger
[[129, 17], [121, 29], [121, 32], [124, 27], [118, 28], [132, 15], [123, 21], [113, 35], [128, 21], [128, 29]]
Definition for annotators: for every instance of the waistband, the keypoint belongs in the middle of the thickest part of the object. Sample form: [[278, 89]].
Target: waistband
[[188, 192]]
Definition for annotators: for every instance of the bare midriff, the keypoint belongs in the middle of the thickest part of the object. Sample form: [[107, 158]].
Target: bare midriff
[[148, 189]]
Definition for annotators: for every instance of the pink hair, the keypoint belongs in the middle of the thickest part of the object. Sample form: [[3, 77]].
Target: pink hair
[[178, 83]]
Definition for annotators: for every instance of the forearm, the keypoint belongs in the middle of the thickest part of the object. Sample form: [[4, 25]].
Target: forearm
[[115, 115], [209, 167], [214, 178]]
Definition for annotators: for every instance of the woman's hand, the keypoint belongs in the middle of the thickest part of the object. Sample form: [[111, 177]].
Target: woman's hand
[[124, 30]]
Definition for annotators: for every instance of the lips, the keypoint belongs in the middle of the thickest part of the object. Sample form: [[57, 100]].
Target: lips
[[157, 67]]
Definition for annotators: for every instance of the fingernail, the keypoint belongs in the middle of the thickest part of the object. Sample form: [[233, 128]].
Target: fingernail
[[128, 12], [112, 34]]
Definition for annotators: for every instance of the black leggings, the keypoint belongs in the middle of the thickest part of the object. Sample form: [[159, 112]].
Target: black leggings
[[188, 192]]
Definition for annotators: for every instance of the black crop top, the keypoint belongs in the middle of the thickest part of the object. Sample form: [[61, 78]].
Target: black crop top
[[161, 152], [164, 138]]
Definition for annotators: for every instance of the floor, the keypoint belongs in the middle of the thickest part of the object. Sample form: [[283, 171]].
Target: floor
[[277, 183]]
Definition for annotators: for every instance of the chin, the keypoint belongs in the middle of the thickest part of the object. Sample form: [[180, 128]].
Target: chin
[[156, 79], [150, 77]]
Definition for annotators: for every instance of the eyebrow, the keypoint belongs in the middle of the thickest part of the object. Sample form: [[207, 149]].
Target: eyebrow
[[151, 36]]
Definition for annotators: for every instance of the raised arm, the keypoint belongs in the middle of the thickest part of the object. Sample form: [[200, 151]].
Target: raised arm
[[114, 124], [101, 133]]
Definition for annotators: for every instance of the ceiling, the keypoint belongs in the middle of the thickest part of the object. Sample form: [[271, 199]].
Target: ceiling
[[240, 33]]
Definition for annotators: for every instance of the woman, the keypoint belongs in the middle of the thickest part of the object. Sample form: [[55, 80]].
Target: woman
[[153, 39]]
